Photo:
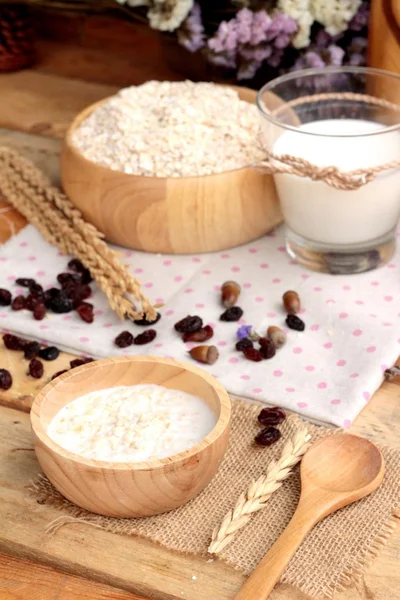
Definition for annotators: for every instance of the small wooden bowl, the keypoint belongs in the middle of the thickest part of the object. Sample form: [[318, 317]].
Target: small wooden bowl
[[170, 215], [131, 489]]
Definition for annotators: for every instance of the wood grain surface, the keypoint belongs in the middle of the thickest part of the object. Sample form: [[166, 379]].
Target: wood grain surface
[[22, 579], [130, 563], [384, 43]]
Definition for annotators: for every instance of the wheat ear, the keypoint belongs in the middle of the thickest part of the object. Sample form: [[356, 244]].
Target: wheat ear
[[260, 491]]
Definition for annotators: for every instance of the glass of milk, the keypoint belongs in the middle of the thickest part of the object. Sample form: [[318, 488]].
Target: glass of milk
[[346, 117]]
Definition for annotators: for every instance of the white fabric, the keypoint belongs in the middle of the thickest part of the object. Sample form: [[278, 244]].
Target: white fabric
[[326, 373]]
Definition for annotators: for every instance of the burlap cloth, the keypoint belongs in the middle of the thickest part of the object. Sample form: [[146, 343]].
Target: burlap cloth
[[333, 556]]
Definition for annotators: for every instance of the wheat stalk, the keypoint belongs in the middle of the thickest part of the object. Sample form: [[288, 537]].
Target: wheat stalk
[[260, 491]]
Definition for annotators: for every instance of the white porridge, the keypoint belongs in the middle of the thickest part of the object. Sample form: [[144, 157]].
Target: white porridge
[[132, 423]]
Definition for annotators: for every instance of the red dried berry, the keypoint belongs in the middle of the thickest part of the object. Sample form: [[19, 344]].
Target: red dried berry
[[232, 314], [12, 342], [243, 344], [78, 362], [268, 436], [189, 324], [64, 278], [36, 289], [49, 296], [267, 348], [30, 301], [36, 368], [146, 337], [124, 339], [49, 353], [272, 416], [5, 297], [39, 311], [85, 311], [59, 373], [31, 350], [145, 322], [18, 303], [76, 265], [25, 281], [203, 334], [5, 379], [253, 354], [294, 322], [61, 304]]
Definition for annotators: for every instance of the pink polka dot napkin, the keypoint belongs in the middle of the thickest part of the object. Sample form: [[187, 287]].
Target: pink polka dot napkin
[[326, 373]]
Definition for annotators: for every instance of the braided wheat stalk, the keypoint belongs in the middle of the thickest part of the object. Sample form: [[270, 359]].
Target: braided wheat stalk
[[61, 224], [260, 491]]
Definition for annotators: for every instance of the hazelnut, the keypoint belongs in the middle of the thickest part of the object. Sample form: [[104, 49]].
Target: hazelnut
[[277, 336], [291, 302], [230, 293]]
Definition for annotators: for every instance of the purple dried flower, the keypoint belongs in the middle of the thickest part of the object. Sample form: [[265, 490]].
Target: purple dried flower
[[225, 40], [260, 26], [191, 33], [257, 53], [334, 55], [361, 18], [244, 22], [244, 331]]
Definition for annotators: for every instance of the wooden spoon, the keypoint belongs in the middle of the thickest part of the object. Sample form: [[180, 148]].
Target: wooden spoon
[[336, 471]]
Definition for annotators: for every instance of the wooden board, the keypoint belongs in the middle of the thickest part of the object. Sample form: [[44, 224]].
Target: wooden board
[[132, 564], [16, 576]]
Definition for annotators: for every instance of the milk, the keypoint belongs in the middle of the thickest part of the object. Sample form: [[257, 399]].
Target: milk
[[323, 214], [132, 423]]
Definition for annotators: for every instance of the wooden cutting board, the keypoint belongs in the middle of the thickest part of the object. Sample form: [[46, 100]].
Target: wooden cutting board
[[127, 562]]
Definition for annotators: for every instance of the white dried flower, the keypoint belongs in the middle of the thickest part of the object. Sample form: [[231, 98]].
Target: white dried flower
[[335, 14], [168, 15], [300, 11]]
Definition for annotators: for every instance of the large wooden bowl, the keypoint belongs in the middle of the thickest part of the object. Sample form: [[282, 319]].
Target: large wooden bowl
[[131, 489], [170, 215]]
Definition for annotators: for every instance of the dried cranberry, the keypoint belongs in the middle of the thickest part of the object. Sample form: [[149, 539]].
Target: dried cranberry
[[49, 296], [267, 349], [5, 297], [189, 324], [12, 342], [25, 281], [145, 322], [268, 436], [5, 379], [67, 277], [253, 354], [232, 314], [272, 416], [78, 267], [49, 353], [59, 373], [36, 368], [18, 303], [39, 311], [203, 334], [36, 289], [31, 301], [294, 322], [85, 311], [146, 337], [86, 276], [31, 350], [61, 304], [124, 339], [78, 362], [243, 344]]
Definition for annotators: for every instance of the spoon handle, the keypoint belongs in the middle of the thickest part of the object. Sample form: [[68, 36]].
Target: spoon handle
[[268, 572]]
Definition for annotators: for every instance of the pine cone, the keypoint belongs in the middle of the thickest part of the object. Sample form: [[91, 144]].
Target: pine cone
[[16, 38]]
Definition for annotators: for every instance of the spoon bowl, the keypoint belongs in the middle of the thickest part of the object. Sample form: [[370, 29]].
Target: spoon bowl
[[336, 471], [342, 463]]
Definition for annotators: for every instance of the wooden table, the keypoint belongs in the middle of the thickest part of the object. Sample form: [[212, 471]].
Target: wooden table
[[35, 111]]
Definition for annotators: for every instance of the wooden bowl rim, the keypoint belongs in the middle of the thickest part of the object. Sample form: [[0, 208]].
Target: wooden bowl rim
[[218, 430], [86, 112]]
